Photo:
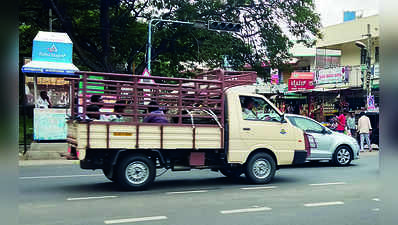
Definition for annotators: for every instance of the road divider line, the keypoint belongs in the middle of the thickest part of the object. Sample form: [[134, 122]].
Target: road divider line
[[186, 192], [376, 209], [323, 204], [132, 220], [66, 176], [90, 198], [326, 184], [257, 209], [376, 199], [258, 188]]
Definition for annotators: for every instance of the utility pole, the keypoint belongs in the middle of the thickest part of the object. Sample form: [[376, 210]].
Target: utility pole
[[368, 74], [50, 19]]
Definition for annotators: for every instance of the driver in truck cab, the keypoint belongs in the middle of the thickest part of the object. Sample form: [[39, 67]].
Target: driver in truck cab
[[247, 108]]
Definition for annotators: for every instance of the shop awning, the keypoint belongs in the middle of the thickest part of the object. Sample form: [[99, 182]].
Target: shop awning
[[51, 55]]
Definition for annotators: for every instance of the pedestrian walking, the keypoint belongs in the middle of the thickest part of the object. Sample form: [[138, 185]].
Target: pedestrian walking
[[364, 129], [351, 124], [341, 122]]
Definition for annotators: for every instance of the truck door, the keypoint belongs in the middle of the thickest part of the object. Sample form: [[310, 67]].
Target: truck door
[[261, 125]]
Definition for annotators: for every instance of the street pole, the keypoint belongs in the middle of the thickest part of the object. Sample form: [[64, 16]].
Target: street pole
[[149, 53], [369, 88], [149, 56], [50, 20]]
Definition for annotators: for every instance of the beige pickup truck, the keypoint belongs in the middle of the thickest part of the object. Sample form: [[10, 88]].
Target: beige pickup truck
[[129, 126]]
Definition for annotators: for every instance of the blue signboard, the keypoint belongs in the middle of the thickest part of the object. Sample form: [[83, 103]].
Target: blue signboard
[[52, 54]]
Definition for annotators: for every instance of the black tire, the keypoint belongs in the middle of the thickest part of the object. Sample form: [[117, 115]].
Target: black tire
[[107, 174], [143, 168], [342, 156], [232, 172], [254, 168]]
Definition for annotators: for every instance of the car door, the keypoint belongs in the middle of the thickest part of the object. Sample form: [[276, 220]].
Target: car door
[[322, 138]]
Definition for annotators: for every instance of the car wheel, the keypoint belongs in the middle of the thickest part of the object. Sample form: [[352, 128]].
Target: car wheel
[[260, 168], [136, 172], [342, 156]]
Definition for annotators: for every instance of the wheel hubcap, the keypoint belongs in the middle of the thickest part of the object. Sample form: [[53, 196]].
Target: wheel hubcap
[[261, 168], [343, 156], [137, 172]]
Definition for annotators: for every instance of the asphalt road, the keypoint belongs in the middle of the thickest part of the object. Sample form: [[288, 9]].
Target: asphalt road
[[312, 194]]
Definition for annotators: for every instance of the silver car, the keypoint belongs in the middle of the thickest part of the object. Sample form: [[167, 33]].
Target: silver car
[[336, 147]]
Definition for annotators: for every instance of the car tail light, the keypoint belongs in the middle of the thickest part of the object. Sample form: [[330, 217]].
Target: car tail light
[[307, 144]]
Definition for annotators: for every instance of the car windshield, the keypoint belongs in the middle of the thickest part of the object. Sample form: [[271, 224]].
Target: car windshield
[[305, 124]]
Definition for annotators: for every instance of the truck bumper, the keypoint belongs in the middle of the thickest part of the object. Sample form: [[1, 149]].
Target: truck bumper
[[300, 157], [87, 164]]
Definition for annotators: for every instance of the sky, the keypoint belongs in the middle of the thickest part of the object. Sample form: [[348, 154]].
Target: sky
[[331, 11]]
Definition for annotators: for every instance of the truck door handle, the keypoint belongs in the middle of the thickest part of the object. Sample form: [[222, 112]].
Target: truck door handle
[[246, 128]]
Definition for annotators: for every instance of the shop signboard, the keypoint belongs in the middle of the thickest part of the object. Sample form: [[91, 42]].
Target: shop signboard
[[300, 84], [49, 124], [332, 75]]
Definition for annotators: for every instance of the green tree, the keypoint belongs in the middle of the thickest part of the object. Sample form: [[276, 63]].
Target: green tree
[[110, 35]]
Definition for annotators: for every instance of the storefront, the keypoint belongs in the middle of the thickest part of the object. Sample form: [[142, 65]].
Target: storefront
[[46, 87]]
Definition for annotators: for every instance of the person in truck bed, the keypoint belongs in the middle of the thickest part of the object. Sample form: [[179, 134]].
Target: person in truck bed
[[119, 110], [156, 114]]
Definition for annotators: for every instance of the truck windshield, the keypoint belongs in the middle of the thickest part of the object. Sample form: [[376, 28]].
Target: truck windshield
[[254, 108]]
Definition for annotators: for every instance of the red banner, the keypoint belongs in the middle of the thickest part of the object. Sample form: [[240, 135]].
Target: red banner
[[300, 84]]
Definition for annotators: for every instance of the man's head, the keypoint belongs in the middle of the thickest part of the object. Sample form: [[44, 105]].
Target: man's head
[[248, 103], [119, 108], [153, 106], [362, 113], [95, 98], [43, 94]]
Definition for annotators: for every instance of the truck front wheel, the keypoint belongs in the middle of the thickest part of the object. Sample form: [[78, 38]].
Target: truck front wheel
[[260, 168], [136, 172]]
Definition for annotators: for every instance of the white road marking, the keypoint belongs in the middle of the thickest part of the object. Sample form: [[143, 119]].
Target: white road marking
[[376, 199], [323, 204], [132, 220], [257, 209], [66, 176], [258, 188], [186, 192], [325, 184], [90, 198], [376, 209]]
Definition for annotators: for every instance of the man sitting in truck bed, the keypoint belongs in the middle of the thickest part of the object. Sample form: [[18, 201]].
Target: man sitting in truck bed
[[156, 115]]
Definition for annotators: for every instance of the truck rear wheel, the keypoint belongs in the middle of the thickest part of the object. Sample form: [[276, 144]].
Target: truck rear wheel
[[260, 168], [136, 172]]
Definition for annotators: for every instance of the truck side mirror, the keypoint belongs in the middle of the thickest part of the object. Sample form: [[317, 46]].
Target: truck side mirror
[[283, 120]]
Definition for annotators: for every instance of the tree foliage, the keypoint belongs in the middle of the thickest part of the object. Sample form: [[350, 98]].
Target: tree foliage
[[111, 35]]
